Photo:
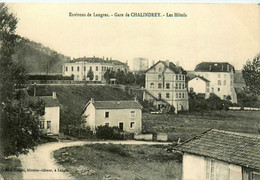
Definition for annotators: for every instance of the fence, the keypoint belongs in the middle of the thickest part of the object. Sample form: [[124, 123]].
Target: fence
[[244, 108]]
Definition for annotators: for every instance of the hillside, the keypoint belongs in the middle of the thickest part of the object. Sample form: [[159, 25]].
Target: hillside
[[74, 98], [38, 59]]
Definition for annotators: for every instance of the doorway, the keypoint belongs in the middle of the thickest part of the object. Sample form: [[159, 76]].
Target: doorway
[[121, 126]]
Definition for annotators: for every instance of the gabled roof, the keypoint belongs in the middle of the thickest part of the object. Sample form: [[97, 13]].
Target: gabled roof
[[48, 100], [214, 67], [232, 147], [172, 67], [202, 78], [98, 60], [117, 105]]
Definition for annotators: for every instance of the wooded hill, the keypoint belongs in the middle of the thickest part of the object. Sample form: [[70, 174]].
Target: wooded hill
[[37, 58]]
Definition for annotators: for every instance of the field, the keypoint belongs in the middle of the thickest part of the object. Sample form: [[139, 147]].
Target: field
[[109, 161], [185, 126]]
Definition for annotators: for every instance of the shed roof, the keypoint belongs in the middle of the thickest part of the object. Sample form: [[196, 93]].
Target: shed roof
[[214, 67], [48, 100], [232, 147], [117, 105]]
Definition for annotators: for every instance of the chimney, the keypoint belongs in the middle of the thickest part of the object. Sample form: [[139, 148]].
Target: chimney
[[167, 63], [34, 89], [54, 96], [92, 100]]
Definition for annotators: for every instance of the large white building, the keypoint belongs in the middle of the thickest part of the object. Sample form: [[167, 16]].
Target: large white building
[[80, 67], [221, 77], [140, 64], [167, 83]]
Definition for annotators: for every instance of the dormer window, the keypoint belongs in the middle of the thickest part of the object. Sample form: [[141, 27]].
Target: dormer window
[[228, 67]]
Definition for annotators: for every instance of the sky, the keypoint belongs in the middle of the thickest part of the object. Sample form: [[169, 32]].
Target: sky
[[210, 32]]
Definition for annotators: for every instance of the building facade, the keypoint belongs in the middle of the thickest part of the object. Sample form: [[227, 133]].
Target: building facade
[[166, 81], [127, 115], [140, 64], [221, 77], [80, 67], [50, 122], [221, 155], [199, 85]]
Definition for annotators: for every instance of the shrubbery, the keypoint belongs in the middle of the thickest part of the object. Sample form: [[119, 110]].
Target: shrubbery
[[106, 132], [212, 103]]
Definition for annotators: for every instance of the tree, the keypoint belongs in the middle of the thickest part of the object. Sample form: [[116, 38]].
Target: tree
[[120, 77], [251, 74], [90, 74], [109, 75], [19, 118]]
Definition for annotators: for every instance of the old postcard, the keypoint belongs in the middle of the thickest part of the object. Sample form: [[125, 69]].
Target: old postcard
[[130, 91]]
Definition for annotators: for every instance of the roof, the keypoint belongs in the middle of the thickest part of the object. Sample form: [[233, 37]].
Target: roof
[[214, 67], [98, 60], [48, 100], [232, 147], [201, 77], [117, 105], [171, 66]]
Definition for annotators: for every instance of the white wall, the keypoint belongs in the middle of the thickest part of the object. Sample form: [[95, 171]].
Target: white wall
[[52, 114], [90, 114], [194, 168], [198, 85]]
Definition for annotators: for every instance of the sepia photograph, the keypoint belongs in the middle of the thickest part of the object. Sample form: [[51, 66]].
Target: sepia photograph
[[129, 91]]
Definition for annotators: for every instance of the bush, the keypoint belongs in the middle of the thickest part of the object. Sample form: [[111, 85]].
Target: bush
[[106, 132]]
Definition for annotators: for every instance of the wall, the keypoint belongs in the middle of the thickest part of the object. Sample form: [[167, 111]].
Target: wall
[[90, 114], [194, 168], [225, 89], [120, 115], [52, 114], [178, 97]]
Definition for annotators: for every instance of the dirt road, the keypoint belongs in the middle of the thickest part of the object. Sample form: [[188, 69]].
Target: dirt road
[[40, 164]]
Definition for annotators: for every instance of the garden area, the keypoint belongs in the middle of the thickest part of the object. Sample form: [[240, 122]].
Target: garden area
[[115, 161]]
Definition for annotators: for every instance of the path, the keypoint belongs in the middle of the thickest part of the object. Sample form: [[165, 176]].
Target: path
[[40, 164]]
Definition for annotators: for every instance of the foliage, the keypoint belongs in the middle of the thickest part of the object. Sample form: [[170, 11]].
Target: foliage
[[108, 75], [19, 118], [113, 148], [90, 75], [251, 74], [213, 103], [106, 132], [20, 126], [247, 99]]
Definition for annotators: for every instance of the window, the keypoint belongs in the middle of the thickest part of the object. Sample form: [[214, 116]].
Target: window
[[176, 85], [183, 95], [106, 114], [151, 85], [177, 95], [176, 76], [48, 124], [66, 68], [106, 124], [159, 76], [159, 95], [159, 85], [219, 75], [72, 68], [160, 69], [255, 176], [219, 82], [132, 125], [180, 95], [78, 68], [207, 89], [183, 77], [179, 85], [218, 89], [167, 85], [224, 82], [167, 95], [132, 114], [212, 90], [84, 68], [210, 169], [96, 77], [41, 124], [96, 68], [183, 87]]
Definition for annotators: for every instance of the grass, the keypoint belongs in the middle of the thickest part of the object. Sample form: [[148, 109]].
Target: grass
[[11, 168], [185, 126], [97, 161]]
